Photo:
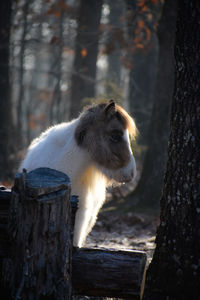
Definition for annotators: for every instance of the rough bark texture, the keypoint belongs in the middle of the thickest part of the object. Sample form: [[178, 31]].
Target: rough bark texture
[[148, 191], [106, 273], [175, 269], [5, 108], [40, 232], [5, 197], [86, 50]]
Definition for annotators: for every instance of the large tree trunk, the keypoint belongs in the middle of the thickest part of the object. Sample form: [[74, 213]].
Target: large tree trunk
[[175, 268], [149, 187], [86, 50], [5, 110]]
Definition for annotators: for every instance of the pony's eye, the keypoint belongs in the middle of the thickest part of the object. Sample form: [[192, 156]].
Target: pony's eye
[[116, 137]]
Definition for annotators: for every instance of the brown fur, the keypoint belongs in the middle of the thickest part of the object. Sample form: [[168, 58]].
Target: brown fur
[[97, 127]]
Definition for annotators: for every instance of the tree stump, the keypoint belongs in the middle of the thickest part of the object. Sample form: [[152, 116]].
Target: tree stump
[[5, 196], [40, 231]]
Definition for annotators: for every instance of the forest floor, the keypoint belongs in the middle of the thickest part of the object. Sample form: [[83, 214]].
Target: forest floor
[[126, 230]]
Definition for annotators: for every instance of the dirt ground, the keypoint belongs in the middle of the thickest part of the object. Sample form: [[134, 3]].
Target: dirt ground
[[125, 231]]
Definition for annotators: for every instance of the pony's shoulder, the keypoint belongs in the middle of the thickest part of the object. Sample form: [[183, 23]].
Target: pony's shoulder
[[57, 134]]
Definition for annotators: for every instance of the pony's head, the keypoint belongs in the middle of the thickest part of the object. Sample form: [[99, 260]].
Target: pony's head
[[103, 131]]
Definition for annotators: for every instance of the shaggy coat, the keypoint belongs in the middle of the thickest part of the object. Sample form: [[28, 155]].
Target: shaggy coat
[[93, 150]]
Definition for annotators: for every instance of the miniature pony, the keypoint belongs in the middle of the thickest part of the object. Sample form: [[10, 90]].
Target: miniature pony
[[93, 150]]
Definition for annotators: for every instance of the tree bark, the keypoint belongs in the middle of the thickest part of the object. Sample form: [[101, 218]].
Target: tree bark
[[143, 66], [20, 99], [148, 191], [5, 198], [86, 50], [117, 9], [32, 106], [40, 231], [175, 268], [5, 110], [56, 115]]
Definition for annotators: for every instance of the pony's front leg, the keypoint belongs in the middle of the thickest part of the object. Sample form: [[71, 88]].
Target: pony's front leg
[[96, 208], [82, 220]]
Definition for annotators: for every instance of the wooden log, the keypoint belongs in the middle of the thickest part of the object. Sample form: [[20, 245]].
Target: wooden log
[[39, 263], [40, 229], [108, 273], [5, 197]]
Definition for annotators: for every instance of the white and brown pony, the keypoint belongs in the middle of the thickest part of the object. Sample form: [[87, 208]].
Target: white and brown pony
[[93, 150]]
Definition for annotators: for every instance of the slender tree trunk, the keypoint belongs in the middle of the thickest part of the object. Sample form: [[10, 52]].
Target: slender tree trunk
[[86, 50], [19, 133], [55, 110], [148, 191], [59, 98], [175, 269], [31, 103], [114, 67], [5, 107]]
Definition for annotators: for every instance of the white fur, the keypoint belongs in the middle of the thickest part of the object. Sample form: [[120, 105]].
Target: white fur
[[56, 148]]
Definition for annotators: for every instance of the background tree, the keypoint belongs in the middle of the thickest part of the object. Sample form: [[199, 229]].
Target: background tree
[[117, 10], [86, 51], [35, 79], [148, 190], [141, 60], [5, 111], [175, 268], [57, 41], [42, 50], [20, 99]]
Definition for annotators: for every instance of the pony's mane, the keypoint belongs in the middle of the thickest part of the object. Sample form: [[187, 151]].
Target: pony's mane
[[127, 121]]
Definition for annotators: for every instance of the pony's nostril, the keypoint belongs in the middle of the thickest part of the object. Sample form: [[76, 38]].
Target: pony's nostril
[[132, 174]]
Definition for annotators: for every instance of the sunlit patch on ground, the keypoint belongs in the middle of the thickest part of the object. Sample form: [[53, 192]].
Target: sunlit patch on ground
[[127, 231]]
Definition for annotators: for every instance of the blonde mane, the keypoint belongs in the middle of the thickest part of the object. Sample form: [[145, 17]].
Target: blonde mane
[[128, 121]]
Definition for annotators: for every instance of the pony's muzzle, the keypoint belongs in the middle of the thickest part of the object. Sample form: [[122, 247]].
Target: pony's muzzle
[[128, 173], [125, 178], [128, 178]]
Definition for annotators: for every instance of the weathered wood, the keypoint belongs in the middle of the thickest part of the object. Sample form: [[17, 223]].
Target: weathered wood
[[108, 273], [5, 197], [40, 229], [41, 220]]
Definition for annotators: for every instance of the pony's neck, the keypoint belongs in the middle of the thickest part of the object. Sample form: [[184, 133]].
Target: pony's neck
[[77, 159], [81, 169]]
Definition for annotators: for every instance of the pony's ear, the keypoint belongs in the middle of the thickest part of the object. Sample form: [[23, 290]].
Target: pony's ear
[[110, 108]]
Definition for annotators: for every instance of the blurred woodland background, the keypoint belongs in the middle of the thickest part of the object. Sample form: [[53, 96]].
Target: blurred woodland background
[[57, 56]]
